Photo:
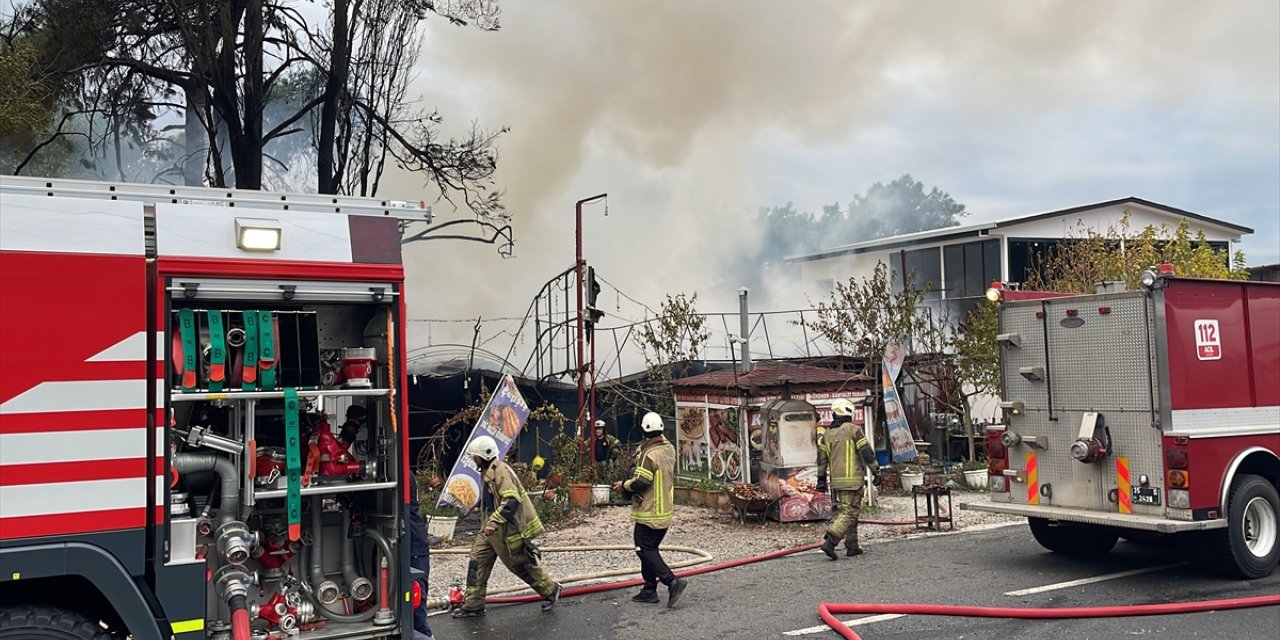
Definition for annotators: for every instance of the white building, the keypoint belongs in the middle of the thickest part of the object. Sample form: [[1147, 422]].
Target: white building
[[961, 262]]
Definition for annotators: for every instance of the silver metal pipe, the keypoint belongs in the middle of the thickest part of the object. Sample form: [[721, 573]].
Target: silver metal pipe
[[360, 588], [186, 463]]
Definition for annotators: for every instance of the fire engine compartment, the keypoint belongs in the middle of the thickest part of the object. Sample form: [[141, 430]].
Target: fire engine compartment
[[331, 572]]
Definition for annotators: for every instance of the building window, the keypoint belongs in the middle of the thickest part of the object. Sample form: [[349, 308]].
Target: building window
[[971, 268], [924, 266]]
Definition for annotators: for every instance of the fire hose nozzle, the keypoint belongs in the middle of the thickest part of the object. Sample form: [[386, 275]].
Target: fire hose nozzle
[[235, 337], [384, 614]]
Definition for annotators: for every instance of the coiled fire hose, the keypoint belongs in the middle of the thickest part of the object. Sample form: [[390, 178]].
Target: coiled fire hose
[[828, 610]]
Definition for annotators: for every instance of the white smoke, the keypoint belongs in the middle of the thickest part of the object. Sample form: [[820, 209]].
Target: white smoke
[[678, 109]]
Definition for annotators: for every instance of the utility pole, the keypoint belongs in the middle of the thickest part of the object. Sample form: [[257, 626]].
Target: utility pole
[[579, 266]]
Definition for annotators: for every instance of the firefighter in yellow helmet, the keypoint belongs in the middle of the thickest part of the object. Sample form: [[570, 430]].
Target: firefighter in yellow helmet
[[507, 535], [652, 490], [844, 451]]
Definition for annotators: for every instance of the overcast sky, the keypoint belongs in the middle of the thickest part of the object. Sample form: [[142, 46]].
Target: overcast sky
[[692, 114]]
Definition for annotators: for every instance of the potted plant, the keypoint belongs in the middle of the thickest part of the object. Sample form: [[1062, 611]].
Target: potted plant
[[566, 466], [975, 474], [441, 520], [912, 476]]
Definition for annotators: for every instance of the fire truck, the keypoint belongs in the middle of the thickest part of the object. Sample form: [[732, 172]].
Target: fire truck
[[202, 429], [1151, 413]]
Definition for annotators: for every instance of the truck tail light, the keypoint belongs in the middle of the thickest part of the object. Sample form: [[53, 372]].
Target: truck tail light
[[1177, 479], [997, 460], [1175, 459], [416, 600], [1179, 499]]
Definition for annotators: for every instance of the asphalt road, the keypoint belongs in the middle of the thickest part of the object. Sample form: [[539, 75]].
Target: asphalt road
[[779, 598]]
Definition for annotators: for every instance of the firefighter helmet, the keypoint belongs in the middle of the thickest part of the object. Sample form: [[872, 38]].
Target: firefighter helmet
[[842, 407], [483, 447], [651, 424]]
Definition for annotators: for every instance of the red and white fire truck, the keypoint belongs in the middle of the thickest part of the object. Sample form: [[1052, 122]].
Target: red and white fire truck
[[201, 433], [1140, 413]]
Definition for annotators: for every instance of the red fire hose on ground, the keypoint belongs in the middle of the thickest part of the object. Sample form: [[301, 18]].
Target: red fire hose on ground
[[828, 611], [635, 582]]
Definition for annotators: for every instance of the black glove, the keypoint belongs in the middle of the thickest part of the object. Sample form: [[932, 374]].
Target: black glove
[[876, 479]]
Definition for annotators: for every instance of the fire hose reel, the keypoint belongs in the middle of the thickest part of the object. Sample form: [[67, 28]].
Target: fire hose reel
[[1093, 442]]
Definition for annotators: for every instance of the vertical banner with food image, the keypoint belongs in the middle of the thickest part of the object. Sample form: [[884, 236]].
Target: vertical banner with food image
[[691, 442], [901, 444], [502, 419], [724, 434]]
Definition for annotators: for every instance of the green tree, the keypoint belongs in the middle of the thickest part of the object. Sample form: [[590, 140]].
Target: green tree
[[902, 206], [1088, 257], [669, 343]]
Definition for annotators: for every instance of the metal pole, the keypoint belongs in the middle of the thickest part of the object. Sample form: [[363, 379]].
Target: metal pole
[[745, 321], [578, 267]]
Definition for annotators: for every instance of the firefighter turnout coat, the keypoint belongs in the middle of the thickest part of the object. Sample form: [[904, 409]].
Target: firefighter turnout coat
[[501, 481], [844, 451], [653, 485]]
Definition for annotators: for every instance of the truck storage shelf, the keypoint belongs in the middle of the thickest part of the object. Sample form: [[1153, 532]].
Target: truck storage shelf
[[178, 396], [327, 489]]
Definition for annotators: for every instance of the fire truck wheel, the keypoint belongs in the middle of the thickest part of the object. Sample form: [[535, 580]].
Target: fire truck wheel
[[1247, 548], [1070, 539], [47, 623]]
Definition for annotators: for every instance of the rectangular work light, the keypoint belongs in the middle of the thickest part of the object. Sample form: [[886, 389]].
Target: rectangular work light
[[257, 234]]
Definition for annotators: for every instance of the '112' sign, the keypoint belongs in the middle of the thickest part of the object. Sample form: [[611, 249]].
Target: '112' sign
[[1208, 342]]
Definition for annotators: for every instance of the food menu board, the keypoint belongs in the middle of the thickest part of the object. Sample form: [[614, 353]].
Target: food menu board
[[796, 498], [725, 436], [693, 457], [502, 419]]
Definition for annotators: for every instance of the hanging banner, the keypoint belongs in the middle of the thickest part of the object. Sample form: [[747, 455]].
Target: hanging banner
[[502, 419], [894, 355], [901, 444]]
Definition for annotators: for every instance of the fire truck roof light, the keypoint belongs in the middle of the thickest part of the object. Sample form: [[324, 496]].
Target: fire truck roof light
[[1166, 269], [258, 234], [993, 294]]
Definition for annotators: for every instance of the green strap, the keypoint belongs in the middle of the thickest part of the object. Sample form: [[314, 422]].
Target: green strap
[[217, 351], [293, 463], [190, 363], [249, 376], [267, 349]]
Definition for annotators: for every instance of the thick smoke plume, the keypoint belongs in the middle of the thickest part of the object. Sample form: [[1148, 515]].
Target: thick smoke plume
[[676, 109]]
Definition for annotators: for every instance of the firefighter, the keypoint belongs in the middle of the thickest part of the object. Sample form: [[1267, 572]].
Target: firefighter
[[507, 535], [845, 451], [419, 558], [607, 447], [652, 489]]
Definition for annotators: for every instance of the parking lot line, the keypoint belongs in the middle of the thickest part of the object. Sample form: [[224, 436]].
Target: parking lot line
[[852, 622], [1103, 578]]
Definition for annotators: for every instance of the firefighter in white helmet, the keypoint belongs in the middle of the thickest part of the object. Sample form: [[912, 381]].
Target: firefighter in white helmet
[[507, 535], [652, 490], [844, 450]]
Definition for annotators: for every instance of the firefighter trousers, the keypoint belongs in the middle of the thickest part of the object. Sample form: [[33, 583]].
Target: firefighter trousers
[[514, 555], [652, 567], [845, 525]]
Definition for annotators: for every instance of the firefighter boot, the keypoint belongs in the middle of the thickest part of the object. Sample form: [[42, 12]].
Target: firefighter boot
[[674, 590], [648, 595], [829, 546], [552, 599]]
